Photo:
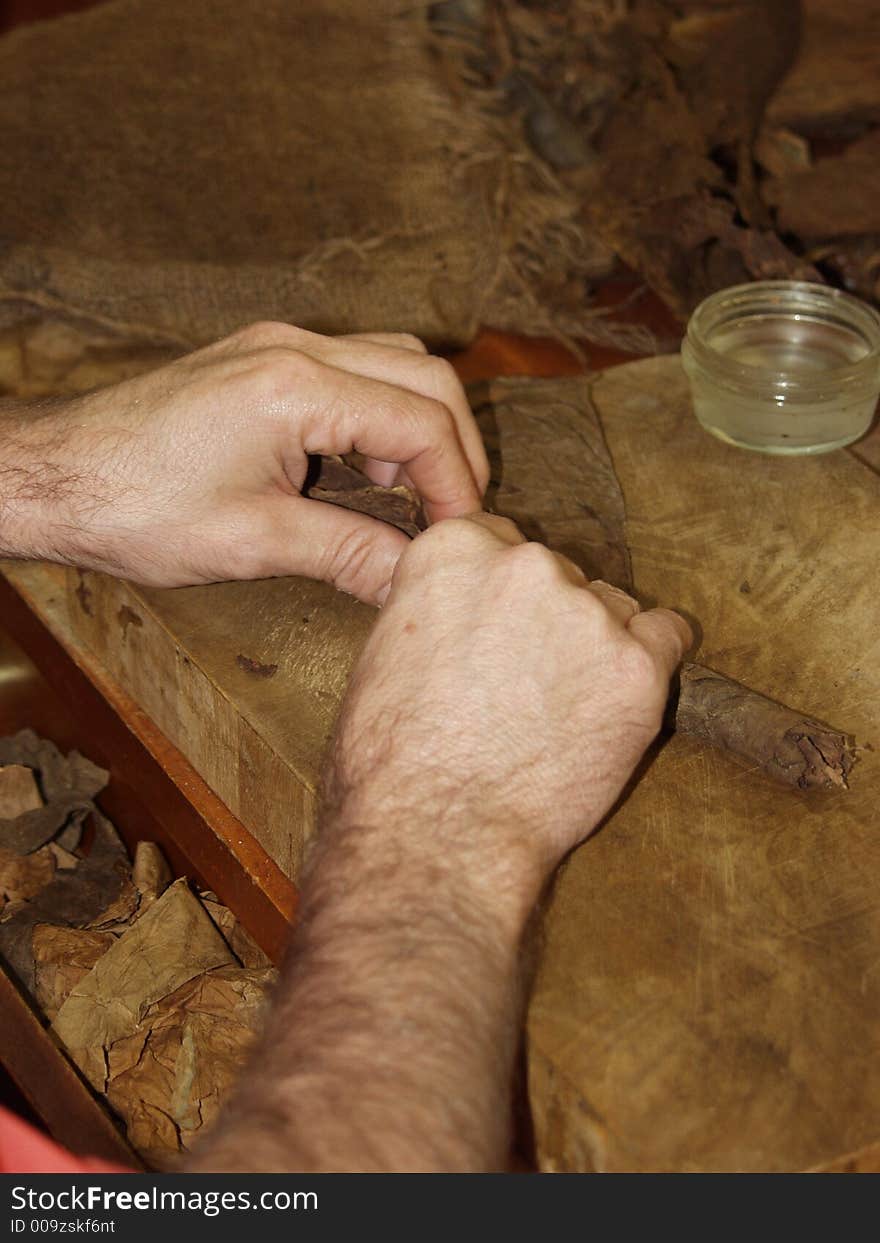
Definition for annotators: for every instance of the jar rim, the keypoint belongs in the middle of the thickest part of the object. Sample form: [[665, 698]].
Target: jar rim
[[795, 298]]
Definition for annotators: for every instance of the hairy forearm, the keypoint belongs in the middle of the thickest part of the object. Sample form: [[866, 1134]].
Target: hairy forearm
[[392, 1038], [37, 474], [58, 475]]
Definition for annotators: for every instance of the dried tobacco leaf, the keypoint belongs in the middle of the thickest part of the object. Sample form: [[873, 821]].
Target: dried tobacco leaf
[[834, 84], [18, 791], [119, 913], [236, 937], [839, 196], [24, 876], [62, 956], [171, 943], [708, 46], [551, 472], [338, 483], [68, 785], [633, 108], [74, 897], [168, 1078], [150, 874]]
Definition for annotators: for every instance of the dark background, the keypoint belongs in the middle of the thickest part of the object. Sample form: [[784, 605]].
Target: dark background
[[13, 12]]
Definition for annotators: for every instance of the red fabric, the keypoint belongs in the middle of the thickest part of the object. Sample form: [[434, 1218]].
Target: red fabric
[[24, 1150]]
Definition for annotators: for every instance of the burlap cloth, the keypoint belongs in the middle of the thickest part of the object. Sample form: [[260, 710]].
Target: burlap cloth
[[170, 171]]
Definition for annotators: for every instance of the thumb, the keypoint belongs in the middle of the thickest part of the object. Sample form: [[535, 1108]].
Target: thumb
[[355, 553]]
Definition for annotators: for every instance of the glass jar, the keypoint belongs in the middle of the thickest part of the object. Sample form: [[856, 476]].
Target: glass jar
[[784, 366]]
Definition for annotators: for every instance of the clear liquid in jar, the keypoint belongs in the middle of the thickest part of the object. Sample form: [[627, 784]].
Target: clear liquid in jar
[[802, 347], [786, 343]]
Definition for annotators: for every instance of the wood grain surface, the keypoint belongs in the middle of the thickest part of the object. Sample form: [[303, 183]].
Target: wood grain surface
[[709, 993]]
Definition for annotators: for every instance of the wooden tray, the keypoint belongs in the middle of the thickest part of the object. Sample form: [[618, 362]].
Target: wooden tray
[[153, 794]]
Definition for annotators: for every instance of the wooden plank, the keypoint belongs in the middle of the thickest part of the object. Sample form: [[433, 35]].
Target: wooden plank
[[709, 997]]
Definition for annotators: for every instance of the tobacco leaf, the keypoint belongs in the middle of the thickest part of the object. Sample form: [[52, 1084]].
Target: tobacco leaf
[[150, 874], [551, 472], [24, 876], [169, 1077], [68, 785], [553, 476], [64, 859], [74, 897], [728, 58], [839, 196], [341, 484], [62, 956], [236, 937], [782, 152], [18, 791], [171, 943], [119, 913], [855, 263], [835, 81]]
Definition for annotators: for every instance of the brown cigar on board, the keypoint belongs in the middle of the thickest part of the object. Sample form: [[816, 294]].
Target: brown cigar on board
[[787, 746]]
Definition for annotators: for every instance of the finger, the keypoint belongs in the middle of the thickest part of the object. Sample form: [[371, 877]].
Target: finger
[[397, 340], [382, 421], [571, 571], [385, 474], [620, 605], [501, 530], [410, 368], [353, 552], [665, 634], [478, 537], [405, 363]]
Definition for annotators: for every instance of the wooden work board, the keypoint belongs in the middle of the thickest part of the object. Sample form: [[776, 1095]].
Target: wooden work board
[[709, 989]]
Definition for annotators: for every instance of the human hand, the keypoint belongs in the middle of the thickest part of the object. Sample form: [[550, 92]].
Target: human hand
[[192, 473], [499, 706]]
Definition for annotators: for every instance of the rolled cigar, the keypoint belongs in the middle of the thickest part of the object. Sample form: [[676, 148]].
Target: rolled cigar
[[789, 747], [337, 482]]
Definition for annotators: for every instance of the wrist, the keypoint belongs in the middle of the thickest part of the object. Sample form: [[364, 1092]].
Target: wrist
[[33, 481], [50, 488], [448, 867]]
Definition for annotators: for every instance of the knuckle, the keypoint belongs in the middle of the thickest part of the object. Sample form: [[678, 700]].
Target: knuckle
[[431, 415], [609, 591], [534, 561], [440, 413], [446, 535], [349, 560], [503, 528], [263, 334], [280, 367], [441, 373], [442, 542], [408, 341], [637, 669]]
